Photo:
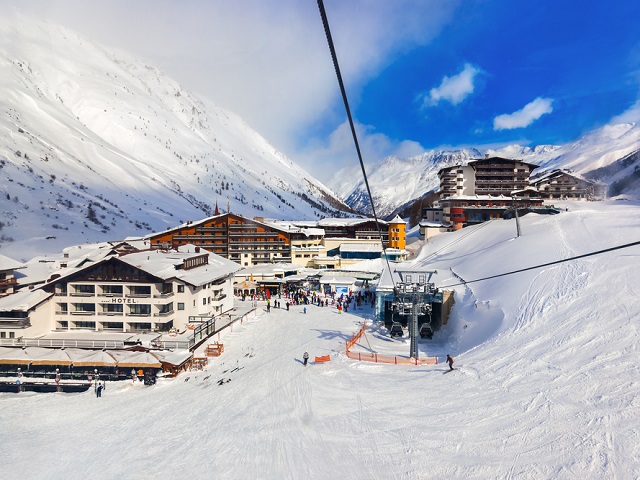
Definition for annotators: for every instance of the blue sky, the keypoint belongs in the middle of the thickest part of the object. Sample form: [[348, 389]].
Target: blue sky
[[420, 74], [576, 64]]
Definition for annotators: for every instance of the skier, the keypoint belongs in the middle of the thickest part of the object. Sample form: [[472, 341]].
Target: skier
[[450, 362], [305, 358], [99, 390], [304, 310]]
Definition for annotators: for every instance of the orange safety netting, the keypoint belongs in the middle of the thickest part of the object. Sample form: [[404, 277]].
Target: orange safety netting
[[322, 359], [376, 358]]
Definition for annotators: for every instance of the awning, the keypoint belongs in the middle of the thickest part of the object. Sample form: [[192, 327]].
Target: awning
[[126, 359], [90, 358], [13, 356], [48, 356]]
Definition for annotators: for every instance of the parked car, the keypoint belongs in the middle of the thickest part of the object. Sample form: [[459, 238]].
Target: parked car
[[396, 330]]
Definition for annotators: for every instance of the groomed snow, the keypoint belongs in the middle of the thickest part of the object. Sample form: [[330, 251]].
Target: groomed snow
[[547, 386]]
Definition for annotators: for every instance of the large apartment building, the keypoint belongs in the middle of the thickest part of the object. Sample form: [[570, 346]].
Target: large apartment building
[[258, 241], [483, 190], [488, 176], [564, 184], [242, 240]]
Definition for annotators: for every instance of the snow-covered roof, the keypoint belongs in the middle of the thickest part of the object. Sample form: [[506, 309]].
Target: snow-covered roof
[[361, 247], [48, 356], [7, 263], [23, 300], [126, 359], [560, 172], [165, 265], [397, 219], [90, 358], [476, 197], [270, 269], [338, 280], [15, 356], [429, 224], [179, 357]]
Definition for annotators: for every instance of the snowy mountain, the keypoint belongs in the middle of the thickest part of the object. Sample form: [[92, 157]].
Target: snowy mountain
[[598, 149], [95, 145], [394, 181], [397, 181]]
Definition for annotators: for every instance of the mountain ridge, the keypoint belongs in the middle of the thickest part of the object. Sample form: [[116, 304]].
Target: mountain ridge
[[97, 144], [588, 156]]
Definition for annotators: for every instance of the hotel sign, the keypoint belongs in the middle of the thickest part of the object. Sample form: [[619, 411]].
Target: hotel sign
[[123, 300]]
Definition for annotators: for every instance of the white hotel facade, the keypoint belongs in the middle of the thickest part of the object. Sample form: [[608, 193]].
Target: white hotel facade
[[150, 290]]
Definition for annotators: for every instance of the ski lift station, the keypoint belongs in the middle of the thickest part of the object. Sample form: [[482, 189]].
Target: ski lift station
[[399, 289]]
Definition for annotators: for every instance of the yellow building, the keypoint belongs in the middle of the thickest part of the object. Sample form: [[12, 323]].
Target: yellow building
[[397, 233]]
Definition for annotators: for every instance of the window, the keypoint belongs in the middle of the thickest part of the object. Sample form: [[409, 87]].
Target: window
[[204, 301], [143, 310], [180, 306], [180, 288], [12, 334], [3, 334]]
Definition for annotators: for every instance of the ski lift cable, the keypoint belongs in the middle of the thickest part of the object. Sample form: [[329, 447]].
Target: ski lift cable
[[611, 249], [343, 91]]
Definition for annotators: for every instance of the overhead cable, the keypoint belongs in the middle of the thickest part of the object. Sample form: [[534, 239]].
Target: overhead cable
[[627, 245], [343, 91]]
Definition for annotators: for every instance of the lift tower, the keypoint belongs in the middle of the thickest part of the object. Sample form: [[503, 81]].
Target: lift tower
[[413, 299]]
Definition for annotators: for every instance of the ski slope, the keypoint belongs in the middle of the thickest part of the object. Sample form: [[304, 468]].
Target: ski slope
[[547, 385]]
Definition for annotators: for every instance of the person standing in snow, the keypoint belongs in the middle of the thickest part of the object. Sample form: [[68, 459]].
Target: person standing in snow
[[450, 362], [305, 358], [99, 390]]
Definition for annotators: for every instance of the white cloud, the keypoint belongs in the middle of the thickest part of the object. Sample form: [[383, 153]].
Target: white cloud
[[525, 116], [324, 158], [631, 115], [269, 65], [453, 89]]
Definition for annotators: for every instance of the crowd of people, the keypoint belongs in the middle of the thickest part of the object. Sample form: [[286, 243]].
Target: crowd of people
[[293, 296]]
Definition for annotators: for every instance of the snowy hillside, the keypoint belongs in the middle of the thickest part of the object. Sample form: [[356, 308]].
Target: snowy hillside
[[397, 181], [394, 181], [547, 385], [95, 146], [597, 149]]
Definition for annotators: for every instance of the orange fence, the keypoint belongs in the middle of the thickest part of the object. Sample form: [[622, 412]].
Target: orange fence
[[322, 359], [356, 336], [376, 358]]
